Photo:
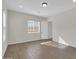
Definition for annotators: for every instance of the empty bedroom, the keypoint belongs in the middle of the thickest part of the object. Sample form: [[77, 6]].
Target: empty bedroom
[[39, 29]]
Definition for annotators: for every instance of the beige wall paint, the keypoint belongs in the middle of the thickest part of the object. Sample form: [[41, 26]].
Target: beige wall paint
[[17, 25], [64, 27]]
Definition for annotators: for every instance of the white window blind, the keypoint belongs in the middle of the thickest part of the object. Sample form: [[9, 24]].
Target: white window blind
[[33, 26]]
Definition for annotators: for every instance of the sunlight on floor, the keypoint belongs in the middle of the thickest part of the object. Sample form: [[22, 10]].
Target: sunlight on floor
[[53, 44]]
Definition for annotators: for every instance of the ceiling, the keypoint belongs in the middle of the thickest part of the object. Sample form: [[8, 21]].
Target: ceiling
[[35, 6]]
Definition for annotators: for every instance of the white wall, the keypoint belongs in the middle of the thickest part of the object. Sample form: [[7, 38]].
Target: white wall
[[4, 40], [17, 25], [44, 30], [49, 29], [64, 27]]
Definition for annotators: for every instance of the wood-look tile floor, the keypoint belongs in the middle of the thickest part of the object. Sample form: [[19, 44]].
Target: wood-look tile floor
[[40, 50]]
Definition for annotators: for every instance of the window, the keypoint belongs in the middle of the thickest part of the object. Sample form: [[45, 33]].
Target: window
[[33, 26]]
